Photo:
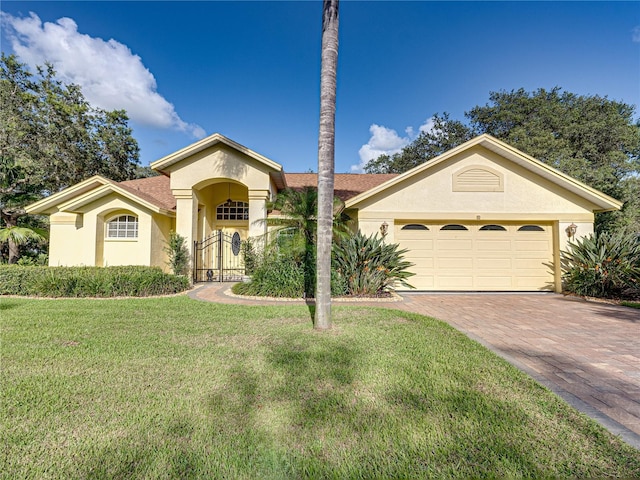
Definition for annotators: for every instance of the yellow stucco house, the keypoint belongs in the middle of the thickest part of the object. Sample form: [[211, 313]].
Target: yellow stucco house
[[481, 217]]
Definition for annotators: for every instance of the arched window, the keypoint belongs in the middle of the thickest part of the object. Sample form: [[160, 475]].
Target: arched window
[[414, 226], [493, 228], [531, 228], [123, 226], [454, 226], [232, 210]]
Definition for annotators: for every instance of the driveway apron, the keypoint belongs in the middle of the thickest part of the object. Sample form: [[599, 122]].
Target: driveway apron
[[586, 352]]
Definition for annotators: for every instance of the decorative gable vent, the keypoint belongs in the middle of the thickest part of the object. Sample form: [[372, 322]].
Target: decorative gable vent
[[478, 178]]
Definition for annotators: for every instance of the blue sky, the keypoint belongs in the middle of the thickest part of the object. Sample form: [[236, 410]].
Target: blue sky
[[250, 70]]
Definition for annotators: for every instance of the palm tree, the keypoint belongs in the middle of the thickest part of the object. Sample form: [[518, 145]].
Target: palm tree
[[298, 215], [16, 236], [326, 147]]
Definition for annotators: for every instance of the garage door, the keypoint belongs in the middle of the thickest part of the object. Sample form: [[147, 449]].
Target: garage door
[[478, 256]]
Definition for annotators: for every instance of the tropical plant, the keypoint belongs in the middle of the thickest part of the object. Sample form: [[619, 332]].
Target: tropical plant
[[296, 228], [177, 253], [369, 266], [16, 236], [602, 265], [326, 164]]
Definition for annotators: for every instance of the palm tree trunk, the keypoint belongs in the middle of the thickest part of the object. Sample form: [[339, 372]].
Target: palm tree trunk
[[326, 146]]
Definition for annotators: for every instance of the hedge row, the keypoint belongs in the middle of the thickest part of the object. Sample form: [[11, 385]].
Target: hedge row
[[130, 281]]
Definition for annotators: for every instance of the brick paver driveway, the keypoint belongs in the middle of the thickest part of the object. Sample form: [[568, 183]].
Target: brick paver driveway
[[588, 353]]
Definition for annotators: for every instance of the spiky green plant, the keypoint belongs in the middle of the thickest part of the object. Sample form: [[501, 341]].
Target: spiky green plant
[[369, 266], [602, 265]]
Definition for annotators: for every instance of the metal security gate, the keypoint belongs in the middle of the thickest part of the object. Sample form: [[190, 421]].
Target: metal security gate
[[217, 258]]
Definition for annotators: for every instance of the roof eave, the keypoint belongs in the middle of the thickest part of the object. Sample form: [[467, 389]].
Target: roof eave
[[166, 162]]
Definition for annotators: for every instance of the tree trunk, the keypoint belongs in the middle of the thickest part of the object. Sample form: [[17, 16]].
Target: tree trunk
[[326, 146], [11, 220]]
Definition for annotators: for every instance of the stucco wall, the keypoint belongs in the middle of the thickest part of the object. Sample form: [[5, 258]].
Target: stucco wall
[[219, 161], [80, 238], [430, 195]]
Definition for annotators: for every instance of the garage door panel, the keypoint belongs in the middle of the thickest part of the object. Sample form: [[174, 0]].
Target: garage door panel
[[532, 245], [445, 244], [504, 282], [531, 263], [541, 282], [423, 282], [415, 245], [454, 262], [455, 282], [494, 263], [493, 245]]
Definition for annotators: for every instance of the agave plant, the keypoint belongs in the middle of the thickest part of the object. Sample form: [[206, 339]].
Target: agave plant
[[602, 265], [368, 266]]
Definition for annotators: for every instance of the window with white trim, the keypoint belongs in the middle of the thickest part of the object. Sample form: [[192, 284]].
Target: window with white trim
[[123, 226], [232, 210]]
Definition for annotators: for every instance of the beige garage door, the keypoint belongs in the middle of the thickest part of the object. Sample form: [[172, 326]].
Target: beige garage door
[[478, 256]]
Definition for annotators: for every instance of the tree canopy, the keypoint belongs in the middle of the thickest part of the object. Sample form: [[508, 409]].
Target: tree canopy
[[52, 138], [591, 138]]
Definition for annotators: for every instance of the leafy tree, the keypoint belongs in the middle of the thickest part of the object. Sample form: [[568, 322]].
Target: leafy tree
[[326, 163], [591, 138], [443, 135], [51, 138]]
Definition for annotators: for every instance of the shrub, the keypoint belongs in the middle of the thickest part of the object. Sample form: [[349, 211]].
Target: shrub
[[602, 265], [178, 254], [368, 266], [250, 256], [130, 281], [277, 276]]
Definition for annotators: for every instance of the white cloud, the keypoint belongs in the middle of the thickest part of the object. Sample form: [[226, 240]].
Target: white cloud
[[635, 34], [386, 141], [111, 76]]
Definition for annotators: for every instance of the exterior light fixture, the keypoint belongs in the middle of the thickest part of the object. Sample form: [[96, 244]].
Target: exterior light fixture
[[571, 230], [384, 229]]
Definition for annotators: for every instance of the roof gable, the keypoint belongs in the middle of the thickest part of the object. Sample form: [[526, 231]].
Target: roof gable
[[165, 164], [87, 191], [601, 200]]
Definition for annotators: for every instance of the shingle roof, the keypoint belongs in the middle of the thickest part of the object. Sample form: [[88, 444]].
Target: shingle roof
[[346, 185], [152, 189]]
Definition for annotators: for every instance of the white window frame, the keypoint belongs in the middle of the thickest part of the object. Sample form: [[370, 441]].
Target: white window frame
[[232, 211], [122, 227]]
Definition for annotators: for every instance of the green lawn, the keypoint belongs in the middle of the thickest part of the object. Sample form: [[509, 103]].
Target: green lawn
[[175, 388], [631, 304]]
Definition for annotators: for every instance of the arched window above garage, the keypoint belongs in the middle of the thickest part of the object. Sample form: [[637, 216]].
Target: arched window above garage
[[454, 226], [531, 228], [493, 227], [414, 226], [123, 226]]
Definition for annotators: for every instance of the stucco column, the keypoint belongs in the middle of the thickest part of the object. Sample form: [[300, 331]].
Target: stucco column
[[186, 216], [258, 213]]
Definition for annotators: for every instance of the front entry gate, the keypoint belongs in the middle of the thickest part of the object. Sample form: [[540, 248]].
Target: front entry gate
[[217, 258]]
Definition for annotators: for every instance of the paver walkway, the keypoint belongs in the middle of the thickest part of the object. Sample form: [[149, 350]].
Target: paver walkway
[[588, 353]]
